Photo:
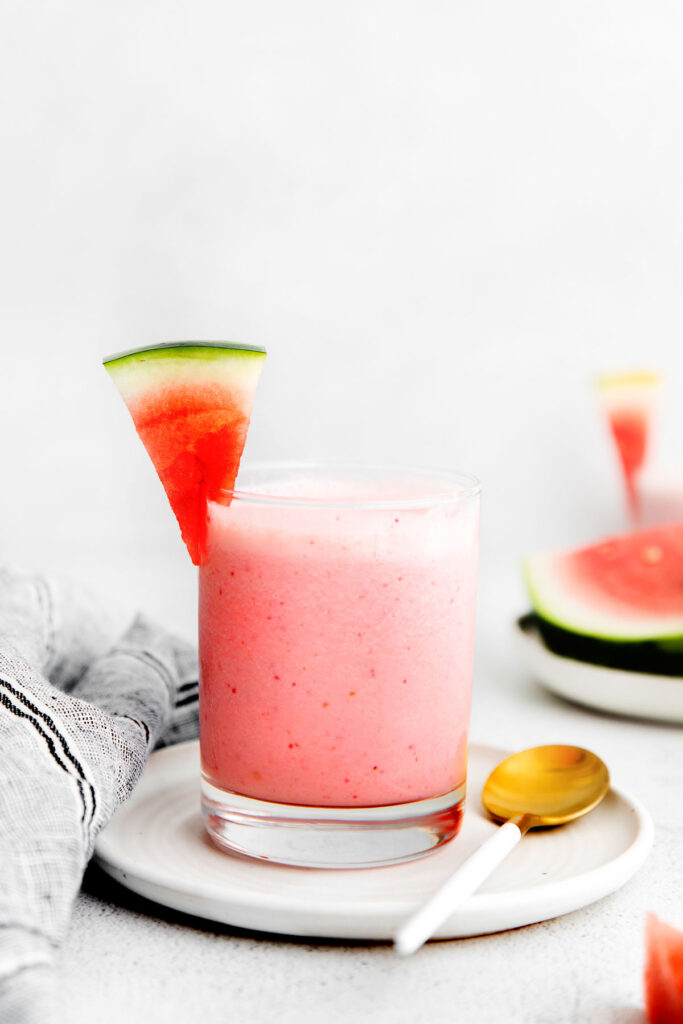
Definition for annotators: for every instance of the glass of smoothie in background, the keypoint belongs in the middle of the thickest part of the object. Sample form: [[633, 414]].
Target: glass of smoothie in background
[[336, 631]]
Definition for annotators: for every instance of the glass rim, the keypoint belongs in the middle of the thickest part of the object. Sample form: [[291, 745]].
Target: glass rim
[[465, 486]]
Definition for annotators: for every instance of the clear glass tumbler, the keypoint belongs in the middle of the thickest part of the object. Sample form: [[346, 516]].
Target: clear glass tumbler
[[336, 632]]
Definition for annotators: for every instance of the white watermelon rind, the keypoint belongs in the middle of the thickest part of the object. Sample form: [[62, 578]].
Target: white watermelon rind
[[559, 603], [148, 368]]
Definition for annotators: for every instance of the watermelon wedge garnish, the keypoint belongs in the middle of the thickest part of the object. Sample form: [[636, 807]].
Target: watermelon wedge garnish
[[629, 401], [663, 972], [191, 403]]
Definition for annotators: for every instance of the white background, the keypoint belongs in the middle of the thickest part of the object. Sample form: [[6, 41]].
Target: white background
[[442, 219]]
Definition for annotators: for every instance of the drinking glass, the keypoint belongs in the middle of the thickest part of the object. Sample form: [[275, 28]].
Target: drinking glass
[[336, 632]]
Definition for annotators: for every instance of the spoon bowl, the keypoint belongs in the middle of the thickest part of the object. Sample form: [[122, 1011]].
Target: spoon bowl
[[545, 786]]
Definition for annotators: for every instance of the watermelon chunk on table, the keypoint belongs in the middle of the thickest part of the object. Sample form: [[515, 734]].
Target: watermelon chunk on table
[[191, 404], [663, 972]]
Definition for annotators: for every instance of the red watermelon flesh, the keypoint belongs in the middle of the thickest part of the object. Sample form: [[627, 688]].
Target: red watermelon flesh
[[663, 972], [629, 401], [630, 430], [642, 571], [191, 404]]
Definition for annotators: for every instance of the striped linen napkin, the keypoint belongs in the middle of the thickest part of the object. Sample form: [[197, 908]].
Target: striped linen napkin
[[82, 704]]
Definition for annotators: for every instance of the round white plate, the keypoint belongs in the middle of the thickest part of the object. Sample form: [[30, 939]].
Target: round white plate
[[637, 694], [156, 845]]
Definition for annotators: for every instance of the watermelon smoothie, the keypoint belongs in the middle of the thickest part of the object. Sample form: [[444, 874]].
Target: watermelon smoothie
[[336, 616]]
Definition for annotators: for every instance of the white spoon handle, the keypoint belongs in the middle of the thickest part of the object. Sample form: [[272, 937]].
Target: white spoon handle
[[466, 880]]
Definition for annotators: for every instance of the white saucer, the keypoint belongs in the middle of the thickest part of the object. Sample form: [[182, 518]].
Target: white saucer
[[156, 846], [637, 694]]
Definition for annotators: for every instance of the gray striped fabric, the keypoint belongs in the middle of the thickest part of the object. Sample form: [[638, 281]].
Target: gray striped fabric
[[82, 703]]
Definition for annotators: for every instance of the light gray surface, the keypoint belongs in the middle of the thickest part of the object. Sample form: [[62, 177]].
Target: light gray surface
[[127, 958]]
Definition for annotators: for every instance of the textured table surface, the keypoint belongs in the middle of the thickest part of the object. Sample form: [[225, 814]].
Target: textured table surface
[[126, 958]]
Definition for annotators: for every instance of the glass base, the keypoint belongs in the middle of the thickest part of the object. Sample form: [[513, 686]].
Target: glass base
[[330, 837]]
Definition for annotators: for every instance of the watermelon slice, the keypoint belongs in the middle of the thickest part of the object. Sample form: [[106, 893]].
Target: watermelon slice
[[629, 401], [663, 972], [190, 402], [617, 603]]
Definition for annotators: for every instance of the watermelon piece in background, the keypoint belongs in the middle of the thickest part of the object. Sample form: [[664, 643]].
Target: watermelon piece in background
[[191, 403], [663, 972], [627, 587], [617, 603], [629, 401]]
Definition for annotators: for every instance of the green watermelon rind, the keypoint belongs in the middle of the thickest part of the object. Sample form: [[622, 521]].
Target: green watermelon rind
[[206, 350], [652, 657], [583, 621]]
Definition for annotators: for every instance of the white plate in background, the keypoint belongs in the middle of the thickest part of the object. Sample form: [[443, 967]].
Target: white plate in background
[[637, 694]]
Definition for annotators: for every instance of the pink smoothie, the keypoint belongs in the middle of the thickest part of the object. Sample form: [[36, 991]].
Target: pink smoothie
[[336, 646]]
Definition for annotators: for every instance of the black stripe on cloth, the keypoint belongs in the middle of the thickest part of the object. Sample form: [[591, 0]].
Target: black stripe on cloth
[[187, 700], [188, 686], [18, 695], [143, 725], [4, 699]]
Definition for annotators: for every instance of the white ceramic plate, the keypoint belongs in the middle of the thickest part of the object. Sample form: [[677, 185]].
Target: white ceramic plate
[[637, 694], [156, 846]]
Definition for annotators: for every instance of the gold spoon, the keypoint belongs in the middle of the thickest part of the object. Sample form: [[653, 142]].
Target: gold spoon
[[536, 788]]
